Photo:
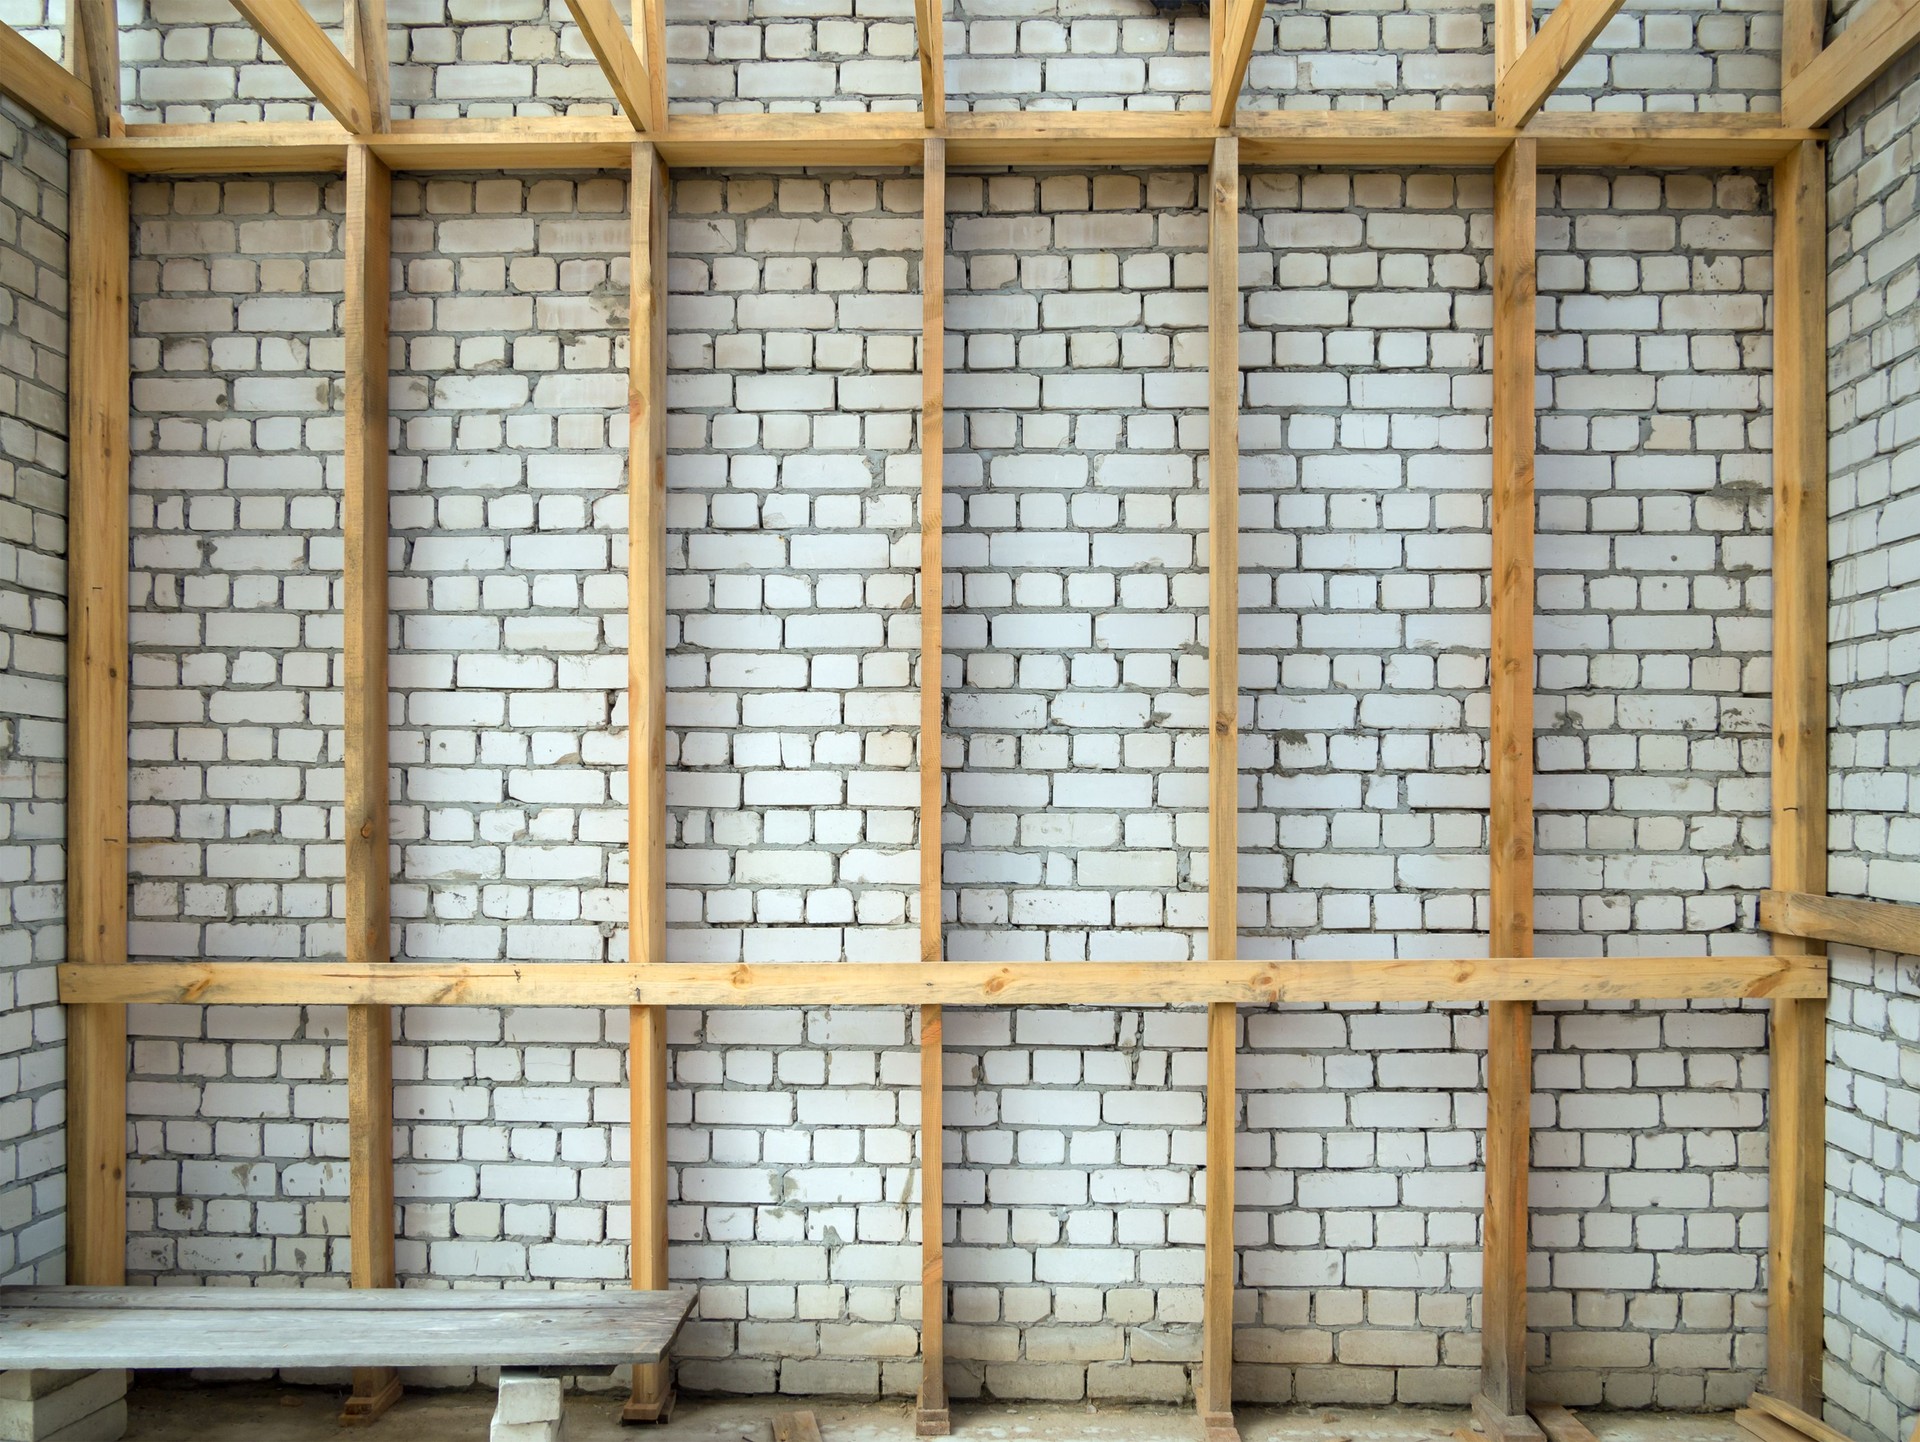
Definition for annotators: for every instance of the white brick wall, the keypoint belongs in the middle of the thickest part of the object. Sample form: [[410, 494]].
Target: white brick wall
[[190, 60], [1873, 1079], [33, 703]]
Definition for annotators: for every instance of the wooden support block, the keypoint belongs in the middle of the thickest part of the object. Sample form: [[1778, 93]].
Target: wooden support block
[[1502, 1426], [1560, 1425], [795, 1427], [370, 1405]]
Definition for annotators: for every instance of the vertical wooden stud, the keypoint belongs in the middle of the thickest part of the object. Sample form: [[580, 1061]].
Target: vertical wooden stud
[[93, 52], [652, 1398], [1214, 1393], [1501, 1405], [1803, 34], [1797, 1142], [650, 35], [928, 20], [370, 1220], [97, 389], [932, 1419], [366, 26], [1512, 28]]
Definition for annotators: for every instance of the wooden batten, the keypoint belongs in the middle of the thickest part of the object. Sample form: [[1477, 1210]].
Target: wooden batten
[[366, 27], [46, 87], [930, 43], [931, 1417], [97, 558], [1876, 925], [93, 47], [1503, 1297], [1797, 1087], [620, 60], [370, 1213], [652, 1394], [1547, 57], [1236, 23], [309, 52]]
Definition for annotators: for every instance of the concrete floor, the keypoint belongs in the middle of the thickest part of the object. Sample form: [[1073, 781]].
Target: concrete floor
[[174, 1410]]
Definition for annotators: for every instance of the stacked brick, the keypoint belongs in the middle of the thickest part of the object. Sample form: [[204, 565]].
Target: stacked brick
[[33, 703]]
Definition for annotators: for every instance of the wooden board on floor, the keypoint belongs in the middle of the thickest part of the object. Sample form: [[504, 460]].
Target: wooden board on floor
[[1756, 1424], [795, 1427], [1560, 1425], [1801, 1421]]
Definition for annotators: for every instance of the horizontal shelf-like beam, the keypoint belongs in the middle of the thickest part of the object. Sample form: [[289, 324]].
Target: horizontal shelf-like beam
[[949, 983], [1388, 139], [1876, 925]]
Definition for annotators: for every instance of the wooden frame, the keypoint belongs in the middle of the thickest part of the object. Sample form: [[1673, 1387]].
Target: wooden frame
[[1515, 141]]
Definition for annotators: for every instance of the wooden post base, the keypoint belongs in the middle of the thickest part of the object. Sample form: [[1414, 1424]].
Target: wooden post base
[[1218, 1426], [375, 1389], [654, 1410], [1504, 1426], [932, 1422]]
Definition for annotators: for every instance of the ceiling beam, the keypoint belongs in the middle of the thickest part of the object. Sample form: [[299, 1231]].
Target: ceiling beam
[[1544, 60], [45, 86], [1232, 49], [298, 39], [1881, 32], [626, 69], [928, 20]]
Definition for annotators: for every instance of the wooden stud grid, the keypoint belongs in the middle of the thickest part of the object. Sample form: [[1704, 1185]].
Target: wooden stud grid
[[931, 1417]]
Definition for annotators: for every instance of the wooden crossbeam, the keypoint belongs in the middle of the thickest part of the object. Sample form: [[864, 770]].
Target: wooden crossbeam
[[627, 70], [930, 42], [298, 39], [1876, 925], [1232, 48], [951, 983], [1879, 34], [45, 86], [1524, 85]]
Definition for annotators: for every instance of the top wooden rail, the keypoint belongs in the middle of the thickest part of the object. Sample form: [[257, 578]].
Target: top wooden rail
[[1394, 139], [953, 983]]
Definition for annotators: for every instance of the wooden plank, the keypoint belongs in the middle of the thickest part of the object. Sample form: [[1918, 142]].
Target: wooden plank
[[1232, 49], [650, 34], [1757, 1424], [930, 42], [932, 1417], [1799, 1420], [795, 1427], [367, 51], [652, 1395], [948, 983], [1523, 86], [98, 378], [1877, 925], [1512, 28], [282, 1298], [1803, 35], [46, 1336], [45, 86], [298, 39], [368, 287], [1879, 33], [1214, 1389], [1797, 1083], [1560, 1425], [93, 35], [1503, 1298], [620, 60]]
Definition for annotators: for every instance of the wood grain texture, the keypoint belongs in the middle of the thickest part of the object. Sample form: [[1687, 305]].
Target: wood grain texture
[[1796, 1146], [931, 1419], [949, 983], [1877, 925], [1214, 1391], [652, 1396], [311, 54], [370, 1203], [1536, 72], [620, 60], [1560, 1425], [1503, 1299], [1751, 1422], [1803, 35], [1798, 1419], [795, 1427], [97, 559], [1512, 28], [93, 33], [930, 44], [1232, 49], [34, 79], [367, 52], [1877, 34]]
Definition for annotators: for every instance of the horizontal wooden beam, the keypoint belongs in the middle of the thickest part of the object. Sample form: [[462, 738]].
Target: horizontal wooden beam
[[45, 86], [1880, 32], [1876, 925], [1552, 51], [954, 983], [1392, 139], [298, 39]]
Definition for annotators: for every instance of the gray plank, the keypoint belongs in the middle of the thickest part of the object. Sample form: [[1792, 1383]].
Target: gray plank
[[277, 1299]]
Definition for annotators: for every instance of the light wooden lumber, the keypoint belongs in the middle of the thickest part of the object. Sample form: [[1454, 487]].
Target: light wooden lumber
[[795, 1427], [950, 983], [370, 1216], [1512, 28], [1503, 1302], [1560, 1425], [650, 34], [1796, 1107], [1499, 1426], [1751, 1422], [1879, 33], [1801, 1421], [1524, 85], [1803, 35], [1876, 925], [652, 1395], [627, 71], [298, 39], [1232, 50], [97, 559], [366, 27], [930, 43], [432, 1298], [931, 1416], [93, 32], [31, 77]]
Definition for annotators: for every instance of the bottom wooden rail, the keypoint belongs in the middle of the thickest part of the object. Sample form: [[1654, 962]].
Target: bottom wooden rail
[[950, 983]]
